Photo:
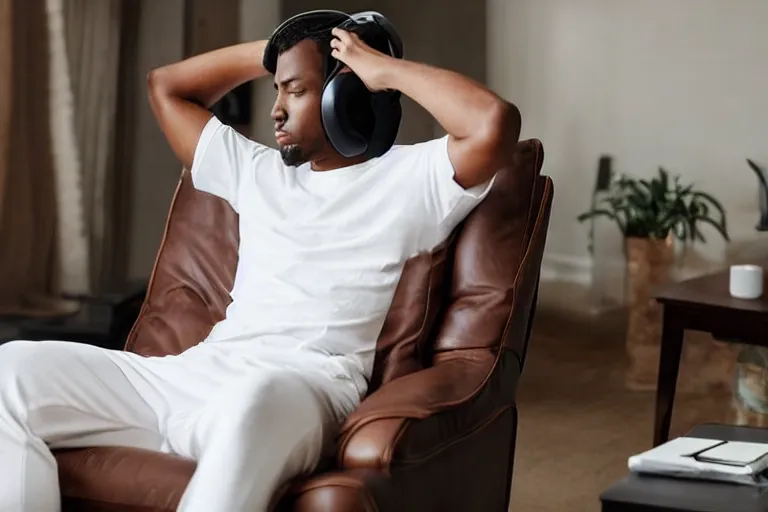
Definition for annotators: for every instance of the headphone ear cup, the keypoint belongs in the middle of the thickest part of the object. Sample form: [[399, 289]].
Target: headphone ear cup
[[347, 115], [388, 114]]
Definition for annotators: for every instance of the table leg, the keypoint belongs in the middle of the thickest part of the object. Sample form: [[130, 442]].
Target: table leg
[[669, 365]]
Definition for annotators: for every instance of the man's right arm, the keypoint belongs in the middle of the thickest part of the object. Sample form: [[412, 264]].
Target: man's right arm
[[181, 93]]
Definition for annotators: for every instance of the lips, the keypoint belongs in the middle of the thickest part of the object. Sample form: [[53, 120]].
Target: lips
[[282, 137]]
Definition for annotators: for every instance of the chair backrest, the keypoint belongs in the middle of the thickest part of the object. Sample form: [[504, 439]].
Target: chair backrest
[[460, 296], [194, 271]]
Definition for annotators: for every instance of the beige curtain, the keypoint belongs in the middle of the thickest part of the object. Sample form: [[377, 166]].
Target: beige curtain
[[93, 48], [28, 228], [63, 171]]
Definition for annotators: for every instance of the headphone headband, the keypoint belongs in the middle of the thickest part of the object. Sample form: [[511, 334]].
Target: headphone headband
[[395, 43], [323, 17], [326, 19]]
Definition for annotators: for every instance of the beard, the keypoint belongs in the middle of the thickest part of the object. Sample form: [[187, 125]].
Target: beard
[[293, 155]]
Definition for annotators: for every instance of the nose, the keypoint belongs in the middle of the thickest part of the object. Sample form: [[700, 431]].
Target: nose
[[278, 111]]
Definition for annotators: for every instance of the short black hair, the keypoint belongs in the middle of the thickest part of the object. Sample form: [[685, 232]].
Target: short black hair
[[319, 31]]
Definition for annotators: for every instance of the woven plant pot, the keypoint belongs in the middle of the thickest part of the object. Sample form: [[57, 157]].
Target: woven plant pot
[[750, 403], [649, 264]]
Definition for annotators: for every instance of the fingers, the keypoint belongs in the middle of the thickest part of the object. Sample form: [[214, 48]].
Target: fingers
[[342, 34], [343, 42], [336, 48]]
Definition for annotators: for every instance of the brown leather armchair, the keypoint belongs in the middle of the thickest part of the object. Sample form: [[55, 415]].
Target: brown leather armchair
[[437, 430]]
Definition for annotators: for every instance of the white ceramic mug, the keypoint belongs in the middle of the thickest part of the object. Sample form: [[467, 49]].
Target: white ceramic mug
[[746, 281]]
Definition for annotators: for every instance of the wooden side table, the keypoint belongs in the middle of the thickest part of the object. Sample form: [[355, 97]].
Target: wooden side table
[[646, 493], [702, 304]]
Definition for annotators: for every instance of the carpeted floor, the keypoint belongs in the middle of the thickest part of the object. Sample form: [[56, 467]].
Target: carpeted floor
[[578, 423]]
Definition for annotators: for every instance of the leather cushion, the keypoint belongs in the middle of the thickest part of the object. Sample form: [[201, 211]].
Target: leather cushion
[[128, 477]]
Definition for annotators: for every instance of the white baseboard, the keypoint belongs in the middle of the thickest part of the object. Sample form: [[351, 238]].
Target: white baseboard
[[579, 270], [587, 291], [566, 268]]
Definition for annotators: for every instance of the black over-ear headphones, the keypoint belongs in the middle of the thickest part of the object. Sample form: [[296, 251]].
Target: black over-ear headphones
[[356, 120]]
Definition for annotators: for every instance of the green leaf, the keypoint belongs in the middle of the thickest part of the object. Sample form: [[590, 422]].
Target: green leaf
[[664, 178], [602, 213], [720, 228], [711, 200], [754, 166]]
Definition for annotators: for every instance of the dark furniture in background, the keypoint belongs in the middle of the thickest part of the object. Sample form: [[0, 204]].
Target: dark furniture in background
[[437, 429], [641, 493], [701, 304], [104, 320]]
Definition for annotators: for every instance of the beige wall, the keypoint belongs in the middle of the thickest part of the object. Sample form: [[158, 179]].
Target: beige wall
[[156, 169], [677, 83], [258, 18]]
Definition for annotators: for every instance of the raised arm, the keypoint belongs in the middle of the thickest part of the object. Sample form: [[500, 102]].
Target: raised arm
[[483, 128], [181, 93]]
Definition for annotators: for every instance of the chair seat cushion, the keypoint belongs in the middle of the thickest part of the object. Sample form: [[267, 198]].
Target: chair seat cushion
[[117, 478]]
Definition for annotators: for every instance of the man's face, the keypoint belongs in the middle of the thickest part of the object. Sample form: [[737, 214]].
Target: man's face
[[299, 83]]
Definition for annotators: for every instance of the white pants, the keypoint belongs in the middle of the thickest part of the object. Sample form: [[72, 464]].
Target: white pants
[[252, 419]]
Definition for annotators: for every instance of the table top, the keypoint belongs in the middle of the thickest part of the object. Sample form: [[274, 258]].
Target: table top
[[712, 290], [666, 493]]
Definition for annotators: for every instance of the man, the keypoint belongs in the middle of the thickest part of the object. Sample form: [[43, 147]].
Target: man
[[323, 240]]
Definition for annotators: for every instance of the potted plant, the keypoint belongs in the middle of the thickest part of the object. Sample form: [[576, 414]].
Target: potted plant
[[651, 214]]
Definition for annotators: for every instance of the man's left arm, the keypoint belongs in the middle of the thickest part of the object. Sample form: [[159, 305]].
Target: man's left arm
[[482, 128]]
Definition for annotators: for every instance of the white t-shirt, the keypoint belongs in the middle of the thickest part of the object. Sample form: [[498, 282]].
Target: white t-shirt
[[321, 252]]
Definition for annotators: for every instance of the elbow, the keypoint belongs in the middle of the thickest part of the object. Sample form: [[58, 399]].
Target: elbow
[[154, 81], [505, 121], [158, 84], [502, 130], [153, 91]]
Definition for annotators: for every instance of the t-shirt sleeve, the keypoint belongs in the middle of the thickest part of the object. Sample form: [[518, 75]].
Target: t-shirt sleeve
[[222, 159], [448, 201]]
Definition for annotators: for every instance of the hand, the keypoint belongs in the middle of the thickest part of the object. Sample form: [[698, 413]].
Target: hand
[[367, 63]]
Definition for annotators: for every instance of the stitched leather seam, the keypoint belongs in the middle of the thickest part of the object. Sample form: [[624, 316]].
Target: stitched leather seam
[[420, 338], [368, 420], [448, 444], [145, 306], [422, 330], [535, 145], [522, 256], [536, 230], [389, 453]]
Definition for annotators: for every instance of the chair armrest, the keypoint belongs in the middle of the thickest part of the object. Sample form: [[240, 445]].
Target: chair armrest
[[413, 417], [356, 490]]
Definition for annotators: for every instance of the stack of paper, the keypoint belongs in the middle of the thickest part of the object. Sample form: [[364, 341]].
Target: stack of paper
[[709, 459]]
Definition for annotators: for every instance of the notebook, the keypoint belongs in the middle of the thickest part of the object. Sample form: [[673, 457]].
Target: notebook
[[708, 459]]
